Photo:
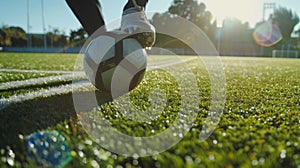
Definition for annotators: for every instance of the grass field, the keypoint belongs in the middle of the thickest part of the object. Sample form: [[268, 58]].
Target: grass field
[[260, 125]]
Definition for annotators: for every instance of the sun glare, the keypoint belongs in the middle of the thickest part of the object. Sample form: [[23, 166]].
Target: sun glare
[[245, 10]]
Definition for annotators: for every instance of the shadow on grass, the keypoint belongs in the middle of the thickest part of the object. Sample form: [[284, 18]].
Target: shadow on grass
[[34, 115]]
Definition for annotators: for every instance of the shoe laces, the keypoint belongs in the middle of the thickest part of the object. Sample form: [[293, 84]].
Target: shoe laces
[[141, 9], [136, 5]]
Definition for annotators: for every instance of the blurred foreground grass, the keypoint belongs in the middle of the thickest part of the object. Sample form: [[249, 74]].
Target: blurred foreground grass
[[260, 125]]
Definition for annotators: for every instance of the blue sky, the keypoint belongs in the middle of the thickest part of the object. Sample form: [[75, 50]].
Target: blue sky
[[58, 15]]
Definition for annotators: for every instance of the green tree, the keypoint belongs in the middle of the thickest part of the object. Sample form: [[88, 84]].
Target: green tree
[[237, 37], [78, 37], [162, 22], [4, 40], [196, 13], [18, 36], [12, 36], [57, 38], [286, 20]]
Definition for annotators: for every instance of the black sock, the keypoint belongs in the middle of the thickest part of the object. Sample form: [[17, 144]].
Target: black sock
[[130, 4]]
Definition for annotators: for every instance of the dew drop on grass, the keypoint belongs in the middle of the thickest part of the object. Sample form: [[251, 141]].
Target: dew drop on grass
[[188, 159], [11, 153], [84, 160], [21, 136], [10, 161], [143, 151], [45, 152], [96, 151], [54, 139], [80, 154], [102, 138], [283, 154], [80, 146], [95, 164], [229, 110], [211, 157], [135, 162], [261, 160], [57, 154], [231, 127], [135, 156], [254, 162], [88, 142]]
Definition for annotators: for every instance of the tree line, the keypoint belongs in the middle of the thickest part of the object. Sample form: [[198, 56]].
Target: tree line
[[17, 37], [236, 35]]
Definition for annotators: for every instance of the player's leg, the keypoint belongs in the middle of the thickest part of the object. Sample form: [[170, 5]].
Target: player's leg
[[88, 12], [134, 21], [131, 4]]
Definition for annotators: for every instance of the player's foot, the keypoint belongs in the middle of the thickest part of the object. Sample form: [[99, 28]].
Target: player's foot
[[135, 22]]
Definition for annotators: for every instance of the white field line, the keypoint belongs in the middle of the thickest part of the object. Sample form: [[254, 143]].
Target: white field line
[[166, 64], [43, 93], [34, 71], [63, 89], [37, 81]]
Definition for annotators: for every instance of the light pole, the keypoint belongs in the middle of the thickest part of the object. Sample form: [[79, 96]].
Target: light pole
[[265, 7], [43, 22], [28, 27], [219, 35], [51, 37]]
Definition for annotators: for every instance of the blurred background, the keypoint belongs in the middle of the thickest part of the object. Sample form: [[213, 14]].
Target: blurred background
[[50, 26]]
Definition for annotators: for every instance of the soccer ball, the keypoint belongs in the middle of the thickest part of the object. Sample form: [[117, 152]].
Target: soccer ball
[[115, 63]]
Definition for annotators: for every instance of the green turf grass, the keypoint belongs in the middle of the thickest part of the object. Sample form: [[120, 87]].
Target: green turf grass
[[37, 61], [18, 76], [260, 125]]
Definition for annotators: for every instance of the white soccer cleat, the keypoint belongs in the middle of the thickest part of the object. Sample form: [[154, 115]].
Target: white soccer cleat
[[135, 22]]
